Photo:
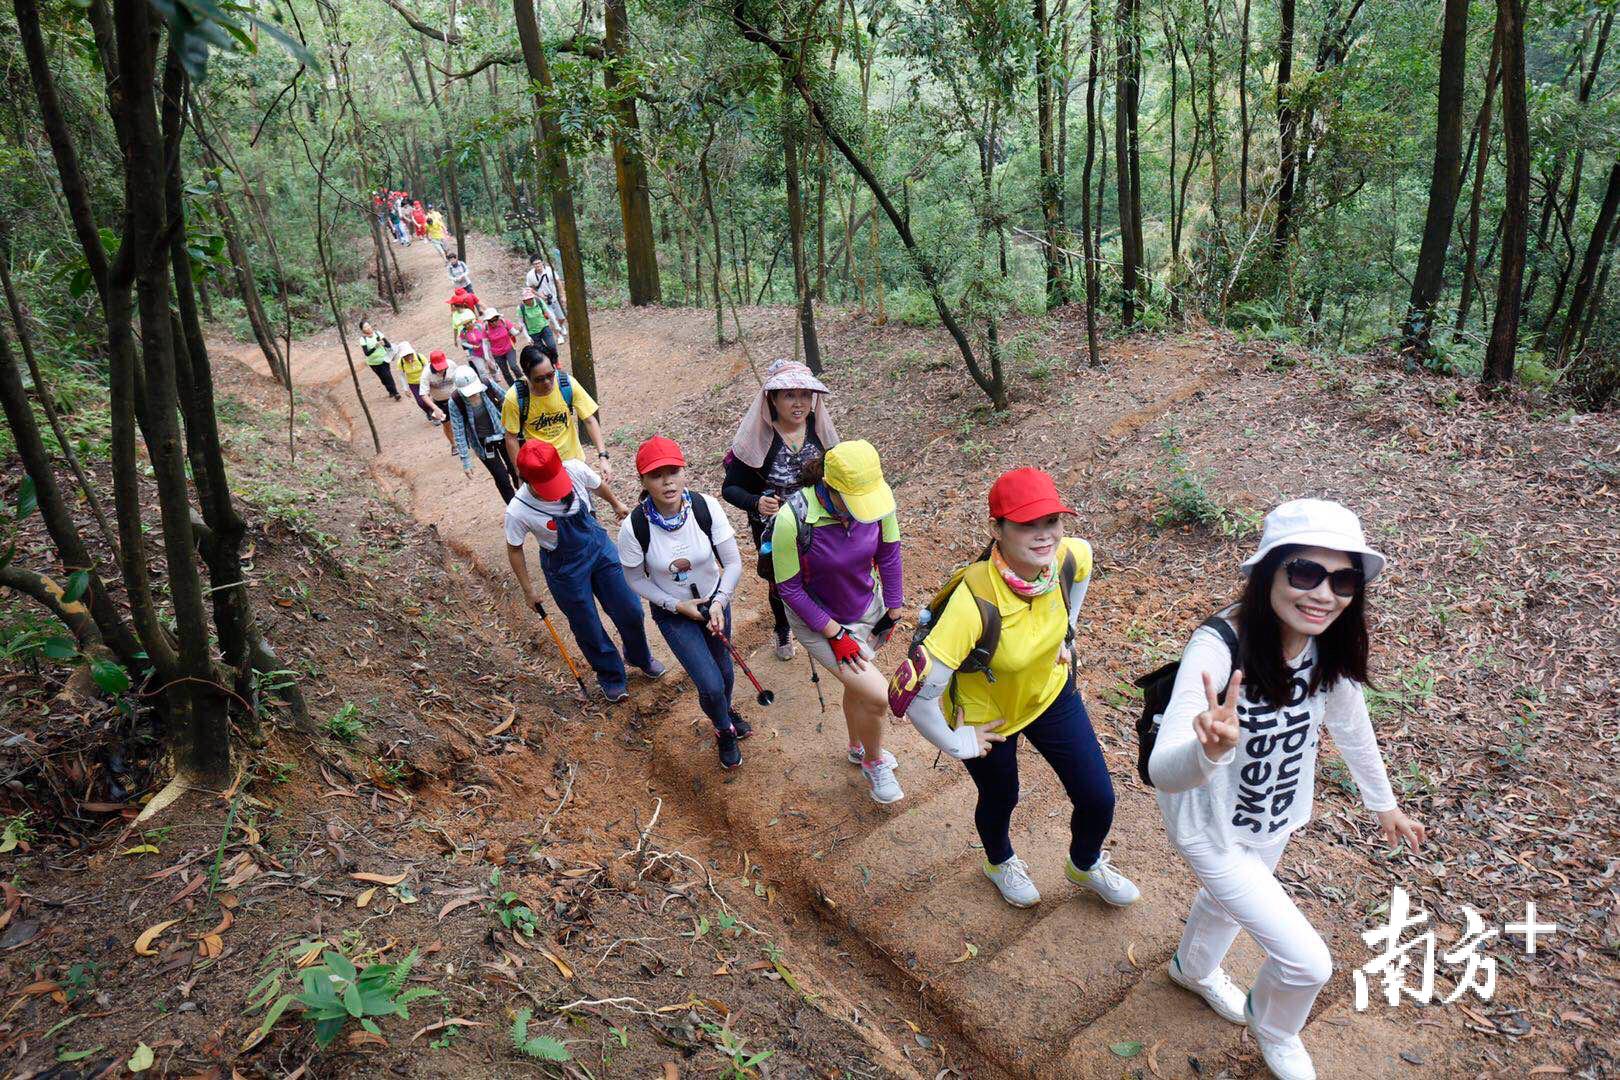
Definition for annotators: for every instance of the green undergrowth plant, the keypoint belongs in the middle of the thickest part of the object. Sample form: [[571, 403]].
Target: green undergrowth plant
[[546, 1048], [335, 993], [1188, 500]]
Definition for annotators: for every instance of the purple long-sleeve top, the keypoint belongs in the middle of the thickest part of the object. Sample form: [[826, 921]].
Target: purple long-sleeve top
[[833, 581]]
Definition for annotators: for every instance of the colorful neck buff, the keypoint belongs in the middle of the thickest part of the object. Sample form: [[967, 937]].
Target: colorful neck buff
[[824, 496], [668, 524], [1027, 589]]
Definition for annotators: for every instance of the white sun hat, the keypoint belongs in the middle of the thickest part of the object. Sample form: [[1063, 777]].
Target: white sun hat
[[1316, 523], [401, 348], [467, 382]]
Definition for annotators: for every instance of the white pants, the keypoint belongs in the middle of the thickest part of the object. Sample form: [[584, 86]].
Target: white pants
[[1240, 891]]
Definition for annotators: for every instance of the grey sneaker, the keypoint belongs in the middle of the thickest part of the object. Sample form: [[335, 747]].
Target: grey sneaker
[[1217, 989], [784, 650], [656, 670], [1102, 879], [885, 788], [1012, 878], [857, 756]]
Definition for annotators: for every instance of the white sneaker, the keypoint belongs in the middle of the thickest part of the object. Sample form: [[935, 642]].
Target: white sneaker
[[1012, 878], [784, 650], [1104, 880], [1288, 1059], [885, 788], [857, 756], [1217, 989]]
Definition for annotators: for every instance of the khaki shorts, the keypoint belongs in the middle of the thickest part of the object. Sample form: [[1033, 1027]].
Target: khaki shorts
[[820, 649]]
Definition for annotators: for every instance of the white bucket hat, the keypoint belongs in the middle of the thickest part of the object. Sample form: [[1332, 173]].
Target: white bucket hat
[[401, 348], [490, 313], [467, 382], [1316, 523]]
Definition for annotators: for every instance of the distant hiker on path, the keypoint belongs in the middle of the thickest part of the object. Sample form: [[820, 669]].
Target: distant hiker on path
[[496, 333], [475, 423], [375, 348], [537, 322], [1234, 763], [549, 406], [457, 270], [439, 382], [435, 229], [787, 426], [835, 550], [413, 365], [680, 555], [543, 280], [580, 564], [996, 662]]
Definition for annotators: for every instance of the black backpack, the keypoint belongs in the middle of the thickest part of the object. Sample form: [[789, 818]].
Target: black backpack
[[642, 528], [1156, 687]]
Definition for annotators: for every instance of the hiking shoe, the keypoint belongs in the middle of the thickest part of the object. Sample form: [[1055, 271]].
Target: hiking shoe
[[784, 650], [1102, 879], [1288, 1059], [730, 754], [742, 727], [616, 696], [655, 670], [1012, 878], [885, 788], [857, 756], [1217, 989]]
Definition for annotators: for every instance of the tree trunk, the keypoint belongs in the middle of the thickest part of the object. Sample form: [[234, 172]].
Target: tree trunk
[[1243, 116], [1087, 239], [714, 225], [629, 170], [1601, 288], [1482, 138], [1286, 134], [554, 172], [1499, 354], [1050, 189], [1444, 182], [1127, 34], [241, 269], [448, 167], [1589, 265], [795, 208]]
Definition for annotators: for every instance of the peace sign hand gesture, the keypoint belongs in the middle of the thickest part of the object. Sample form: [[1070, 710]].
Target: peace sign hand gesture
[[1217, 726]]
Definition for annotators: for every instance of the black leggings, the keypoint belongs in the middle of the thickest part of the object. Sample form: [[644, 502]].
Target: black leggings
[[385, 375], [500, 467], [507, 361]]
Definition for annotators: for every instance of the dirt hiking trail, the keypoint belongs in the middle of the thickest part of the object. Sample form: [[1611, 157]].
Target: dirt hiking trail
[[1070, 988]]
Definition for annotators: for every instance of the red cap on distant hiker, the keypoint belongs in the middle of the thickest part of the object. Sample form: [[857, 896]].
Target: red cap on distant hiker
[[437, 361], [1025, 495], [657, 452], [541, 468]]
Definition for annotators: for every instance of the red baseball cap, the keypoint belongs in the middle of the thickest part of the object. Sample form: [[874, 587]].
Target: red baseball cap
[[541, 468], [437, 361], [657, 452], [1025, 495]]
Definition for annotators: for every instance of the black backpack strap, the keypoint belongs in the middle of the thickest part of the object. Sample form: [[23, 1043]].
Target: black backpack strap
[[642, 528], [705, 520], [523, 409]]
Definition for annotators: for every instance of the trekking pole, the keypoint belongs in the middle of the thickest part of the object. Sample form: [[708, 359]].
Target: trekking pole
[[765, 696], [816, 680], [540, 609]]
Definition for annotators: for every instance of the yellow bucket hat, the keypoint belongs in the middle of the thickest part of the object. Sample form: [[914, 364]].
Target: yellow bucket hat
[[852, 469]]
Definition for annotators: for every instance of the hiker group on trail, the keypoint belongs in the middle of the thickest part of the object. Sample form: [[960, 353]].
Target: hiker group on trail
[[1228, 736]]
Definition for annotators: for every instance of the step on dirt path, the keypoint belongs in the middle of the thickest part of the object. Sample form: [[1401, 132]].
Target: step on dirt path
[[1040, 993]]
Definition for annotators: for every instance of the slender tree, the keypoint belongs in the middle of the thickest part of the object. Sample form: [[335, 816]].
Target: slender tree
[[1504, 340], [629, 170]]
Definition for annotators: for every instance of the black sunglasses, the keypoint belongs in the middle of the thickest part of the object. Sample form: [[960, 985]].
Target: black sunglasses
[[1305, 575]]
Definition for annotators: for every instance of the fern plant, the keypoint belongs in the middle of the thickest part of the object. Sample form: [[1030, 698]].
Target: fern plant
[[540, 1047]]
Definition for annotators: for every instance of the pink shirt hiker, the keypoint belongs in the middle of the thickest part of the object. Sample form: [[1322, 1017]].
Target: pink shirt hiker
[[498, 332]]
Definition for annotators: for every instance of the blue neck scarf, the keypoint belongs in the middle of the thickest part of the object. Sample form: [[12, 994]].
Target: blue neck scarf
[[668, 524]]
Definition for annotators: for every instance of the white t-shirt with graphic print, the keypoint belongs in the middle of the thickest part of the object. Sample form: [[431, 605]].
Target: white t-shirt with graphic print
[[678, 560]]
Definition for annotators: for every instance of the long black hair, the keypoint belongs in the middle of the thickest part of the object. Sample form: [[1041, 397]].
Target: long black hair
[[1341, 649]]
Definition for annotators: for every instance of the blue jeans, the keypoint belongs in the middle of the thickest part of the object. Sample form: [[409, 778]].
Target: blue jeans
[[583, 570], [705, 658], [1063, 736]]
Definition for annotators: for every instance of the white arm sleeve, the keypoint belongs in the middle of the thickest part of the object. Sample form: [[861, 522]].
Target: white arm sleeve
[[1347, 719], [1179, 762], [1077, 596], [730, 567], [928, 717]]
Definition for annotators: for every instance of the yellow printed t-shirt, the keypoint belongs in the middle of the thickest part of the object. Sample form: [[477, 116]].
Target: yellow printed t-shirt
[[549, 419], [1028, 675], [412, 364], [435, 226]]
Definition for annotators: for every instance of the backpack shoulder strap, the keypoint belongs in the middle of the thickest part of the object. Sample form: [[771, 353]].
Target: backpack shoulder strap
[[705, 520], [1230, 638], [642, 528], [801, 517], [566, 385], [523, 409], [977, 579]]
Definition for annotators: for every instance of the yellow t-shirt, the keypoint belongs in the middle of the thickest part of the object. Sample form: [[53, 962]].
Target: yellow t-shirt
[[412, 364], [1028, 674], [435, 226], [549, 419]]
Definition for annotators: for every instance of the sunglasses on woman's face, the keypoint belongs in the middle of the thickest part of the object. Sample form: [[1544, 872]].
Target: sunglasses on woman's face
[[1305, 575]]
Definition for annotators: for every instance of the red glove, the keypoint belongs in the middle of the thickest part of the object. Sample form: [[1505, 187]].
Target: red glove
[[845, 647]]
